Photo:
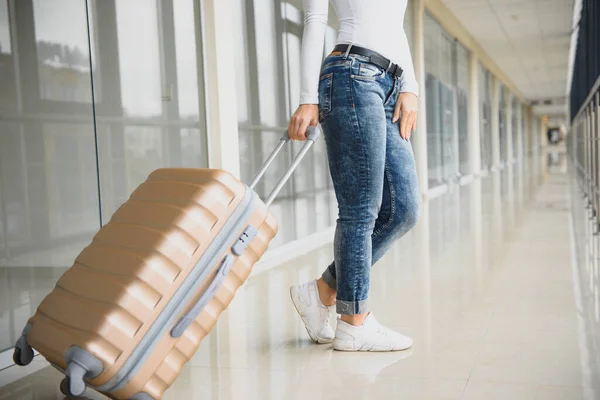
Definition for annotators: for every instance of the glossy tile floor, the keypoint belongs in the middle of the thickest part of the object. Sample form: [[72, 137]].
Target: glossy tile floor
[[488, 285]]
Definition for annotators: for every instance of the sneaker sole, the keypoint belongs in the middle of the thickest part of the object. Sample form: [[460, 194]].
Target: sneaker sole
[[315, 338], [340, 345]]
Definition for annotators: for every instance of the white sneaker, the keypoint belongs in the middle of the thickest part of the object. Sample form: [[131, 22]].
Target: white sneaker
[[314, 314], [371, 336]]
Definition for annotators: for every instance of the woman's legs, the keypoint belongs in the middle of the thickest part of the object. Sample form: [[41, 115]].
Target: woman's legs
[[373, 183], [356, 141], [399, 207]]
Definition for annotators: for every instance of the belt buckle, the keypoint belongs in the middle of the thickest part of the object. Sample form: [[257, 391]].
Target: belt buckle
[[387, 69]]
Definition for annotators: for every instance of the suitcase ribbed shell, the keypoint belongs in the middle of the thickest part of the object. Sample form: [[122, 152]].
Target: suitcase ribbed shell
[[106, 302]]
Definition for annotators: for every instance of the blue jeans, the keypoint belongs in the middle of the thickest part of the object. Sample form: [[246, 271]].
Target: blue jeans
[[373, 172]]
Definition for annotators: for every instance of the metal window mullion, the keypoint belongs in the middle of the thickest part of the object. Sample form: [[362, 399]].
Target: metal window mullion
[[170, 137], [284, 87], [592, 162], [592, 173], [253, 86], [588, 164], [202, 78], [596, 172], [585, 152]]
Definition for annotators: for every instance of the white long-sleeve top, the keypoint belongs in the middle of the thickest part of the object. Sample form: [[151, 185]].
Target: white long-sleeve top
[[377, 25]]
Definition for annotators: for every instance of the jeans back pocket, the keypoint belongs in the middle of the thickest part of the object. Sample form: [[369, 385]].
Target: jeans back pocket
[[325, 88]]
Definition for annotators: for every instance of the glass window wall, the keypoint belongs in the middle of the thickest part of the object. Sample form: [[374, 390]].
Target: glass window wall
[[462, 105], [446, 92], [485, 110], [516, 124], [525, 145], [503, 118], [269, 37], [87, 109]]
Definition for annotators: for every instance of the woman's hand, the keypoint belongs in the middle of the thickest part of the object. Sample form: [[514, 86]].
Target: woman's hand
[[407, 106], [306, 115]]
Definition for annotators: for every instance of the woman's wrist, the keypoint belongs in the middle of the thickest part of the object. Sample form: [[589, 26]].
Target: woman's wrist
[[409, 92], [409, 87], [308, 104], [309, 99]]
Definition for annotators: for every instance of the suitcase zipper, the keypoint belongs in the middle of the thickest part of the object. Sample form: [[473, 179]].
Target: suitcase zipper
[[162, 325]]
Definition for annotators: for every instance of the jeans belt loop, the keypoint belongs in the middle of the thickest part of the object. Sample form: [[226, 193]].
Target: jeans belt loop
[[348, 51]]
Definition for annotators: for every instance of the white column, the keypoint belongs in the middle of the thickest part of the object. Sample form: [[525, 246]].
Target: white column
[[420, 148], [474, 116], [544, 147], [543, 127], [419, 138], [543, 133], [519, 184], [536, 133], [223, 142], [223, 149], [529, 134], [475, 168]]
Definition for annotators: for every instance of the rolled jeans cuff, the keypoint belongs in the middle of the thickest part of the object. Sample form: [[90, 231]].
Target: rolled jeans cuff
[[351, 307], [329, 279]]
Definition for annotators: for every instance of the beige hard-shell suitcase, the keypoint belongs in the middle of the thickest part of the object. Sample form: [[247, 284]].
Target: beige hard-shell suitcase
[[138, 300]]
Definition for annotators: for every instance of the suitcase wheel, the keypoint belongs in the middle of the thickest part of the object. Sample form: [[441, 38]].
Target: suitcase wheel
[[68, 390], [23, 355], [64, 387]]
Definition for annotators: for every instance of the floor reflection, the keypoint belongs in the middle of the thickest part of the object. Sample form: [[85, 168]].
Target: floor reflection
[[483, 284]]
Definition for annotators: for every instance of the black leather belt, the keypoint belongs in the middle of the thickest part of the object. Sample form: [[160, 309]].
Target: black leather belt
[[374, 58]]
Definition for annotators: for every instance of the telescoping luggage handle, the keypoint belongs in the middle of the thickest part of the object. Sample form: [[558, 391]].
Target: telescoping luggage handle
[[312, 134], [185, 321]]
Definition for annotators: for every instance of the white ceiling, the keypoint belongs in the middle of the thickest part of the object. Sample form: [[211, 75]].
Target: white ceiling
[[528, 39]]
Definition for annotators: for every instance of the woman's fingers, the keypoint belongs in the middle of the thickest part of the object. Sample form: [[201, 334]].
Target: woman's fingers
[[406, 105], [305, 115], [397, 109], [295, 127], [301, 131], [412, 120], [414, 126], [404, 126], [412, 123], [291, 128]]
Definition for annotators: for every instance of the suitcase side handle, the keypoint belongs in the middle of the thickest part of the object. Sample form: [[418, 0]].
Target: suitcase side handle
[[312, 134], [186, 320]]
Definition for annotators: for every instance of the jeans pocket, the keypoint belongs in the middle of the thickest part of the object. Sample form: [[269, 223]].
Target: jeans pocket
[[369, 72], [325, 89]]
